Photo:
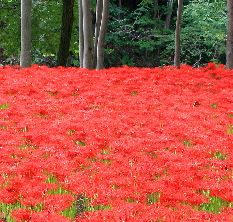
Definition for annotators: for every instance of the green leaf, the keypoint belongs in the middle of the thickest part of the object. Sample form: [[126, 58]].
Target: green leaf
[[188, 143], [4, 106], [230, 129], [79, 142], [215, 205], [219, 155], [153, 198], [214, 105]]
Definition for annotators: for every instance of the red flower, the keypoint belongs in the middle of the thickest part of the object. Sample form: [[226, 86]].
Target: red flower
[[21, 215], [133, 141], [58, 202], [48, 216]]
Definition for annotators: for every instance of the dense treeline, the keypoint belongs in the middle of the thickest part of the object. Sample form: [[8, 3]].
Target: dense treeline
[[140, 32]]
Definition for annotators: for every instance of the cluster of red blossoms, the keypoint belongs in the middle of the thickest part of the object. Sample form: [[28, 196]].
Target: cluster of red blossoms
[[121, 144]]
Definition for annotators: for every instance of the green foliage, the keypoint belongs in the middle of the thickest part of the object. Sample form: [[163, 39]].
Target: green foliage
[[10, 27], [230, 129], [153, 198], [46, 16], [187, 143], [70, 212], [80, 142], [4, 106], [203, 34], [214, 205], [46, 23], [219, 155], [204, 31], [135, 37]]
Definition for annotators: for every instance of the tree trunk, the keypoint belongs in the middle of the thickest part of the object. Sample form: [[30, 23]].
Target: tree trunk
[[91, 48], [25, 54], [81, 40], [99, 12], [156, 8], [177, 34], [102, 33], [229, 47], [87, 35], [66, 31], [169, 14]]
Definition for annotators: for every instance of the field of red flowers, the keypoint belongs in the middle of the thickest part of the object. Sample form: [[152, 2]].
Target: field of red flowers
[[122, 144]]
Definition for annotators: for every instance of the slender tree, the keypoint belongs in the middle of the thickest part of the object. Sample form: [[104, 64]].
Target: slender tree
[[156, 8], [119, 3], [66, 31], [25, 54], [177, 34], [91, 46], [229, 47], [99, 10], [87, 35], [102, 33], [81, 39], [169, 14]]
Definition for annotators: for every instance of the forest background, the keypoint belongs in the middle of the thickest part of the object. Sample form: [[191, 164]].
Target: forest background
[[140, 32]]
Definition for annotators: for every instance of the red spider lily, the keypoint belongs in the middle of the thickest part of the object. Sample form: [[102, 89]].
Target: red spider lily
[[58, 202], [21, 215], [48, 216], [136, 143]]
